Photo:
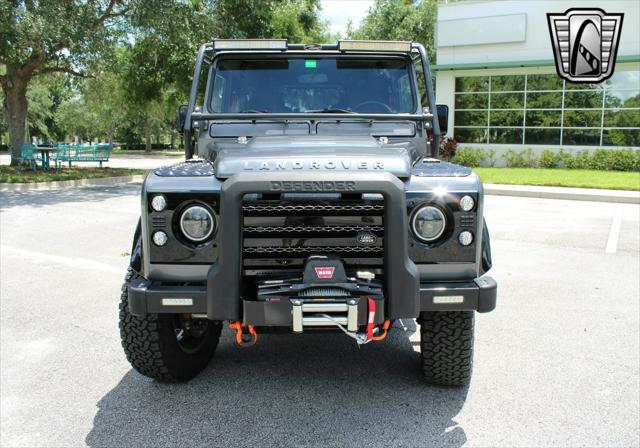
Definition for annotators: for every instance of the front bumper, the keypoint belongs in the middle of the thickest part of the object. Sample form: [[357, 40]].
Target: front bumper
[[146, 298]]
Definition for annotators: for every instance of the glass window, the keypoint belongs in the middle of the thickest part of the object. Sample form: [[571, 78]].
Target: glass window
[[590, 137], [544, 100], [582, 118], [621, 137], [470, 135], [590, 100], [621, 118], [507, 83], [471, 118], [506, 117], [581, 86], [543, 118], [554, 111], [505, 135], [472, 84], [536, 136], [472, 101], [622, 98], [507, 100], [624, 79], [544, 82]]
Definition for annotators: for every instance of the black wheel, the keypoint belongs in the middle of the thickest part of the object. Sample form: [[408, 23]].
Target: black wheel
[[447, 347], [167, 348]]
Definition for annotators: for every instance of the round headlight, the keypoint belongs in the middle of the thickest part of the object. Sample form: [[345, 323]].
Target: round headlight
[[428, 223], [197, 223], [465, 238], [467, 203], [160, 238], [159, 203]]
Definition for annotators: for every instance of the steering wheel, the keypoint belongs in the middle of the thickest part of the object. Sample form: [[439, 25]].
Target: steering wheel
[[379, 104]]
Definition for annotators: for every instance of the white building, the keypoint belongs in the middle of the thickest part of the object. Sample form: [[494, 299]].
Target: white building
[[495, 70]]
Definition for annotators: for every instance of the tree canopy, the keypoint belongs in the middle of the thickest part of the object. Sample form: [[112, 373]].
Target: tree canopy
[[116, 70]]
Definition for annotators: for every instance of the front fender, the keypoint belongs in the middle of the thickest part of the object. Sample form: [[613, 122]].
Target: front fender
[[486, 250], [136, 250]]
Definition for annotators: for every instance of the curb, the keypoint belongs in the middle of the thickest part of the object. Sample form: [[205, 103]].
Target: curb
[[56, 185], [571, 194]]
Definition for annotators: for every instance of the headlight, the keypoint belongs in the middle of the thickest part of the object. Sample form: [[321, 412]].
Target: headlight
[[467, 203], [465, 238], [428, 223], [158, 203], [197, 223]]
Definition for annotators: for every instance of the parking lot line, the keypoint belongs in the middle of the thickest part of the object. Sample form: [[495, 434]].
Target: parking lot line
[[614, 234]]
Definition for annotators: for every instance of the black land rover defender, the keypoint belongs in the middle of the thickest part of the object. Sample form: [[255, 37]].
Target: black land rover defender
[[310, 198]]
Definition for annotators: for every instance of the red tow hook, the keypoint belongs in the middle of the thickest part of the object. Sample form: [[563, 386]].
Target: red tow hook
[[371, 323], [244, 339]]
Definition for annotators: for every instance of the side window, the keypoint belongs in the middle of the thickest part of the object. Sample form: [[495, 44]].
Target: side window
[[404, 89], [217, 94]]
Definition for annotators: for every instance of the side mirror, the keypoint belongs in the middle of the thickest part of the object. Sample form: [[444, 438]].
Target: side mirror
[[443, 118], [182, 117]]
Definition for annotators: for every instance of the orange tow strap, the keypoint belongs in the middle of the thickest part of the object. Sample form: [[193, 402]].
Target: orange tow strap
[[241, 339], [385, 327]]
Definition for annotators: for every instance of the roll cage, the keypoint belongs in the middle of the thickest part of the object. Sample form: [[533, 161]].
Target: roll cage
[[208, 52]]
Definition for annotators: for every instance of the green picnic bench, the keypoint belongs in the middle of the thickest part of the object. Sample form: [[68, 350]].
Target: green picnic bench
[[29, 153], [82, 153]]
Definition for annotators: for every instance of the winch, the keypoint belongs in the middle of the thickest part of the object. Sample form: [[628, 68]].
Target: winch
[[325, 297]]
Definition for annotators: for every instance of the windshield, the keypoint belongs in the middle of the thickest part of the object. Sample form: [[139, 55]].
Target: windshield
[[312, 85]]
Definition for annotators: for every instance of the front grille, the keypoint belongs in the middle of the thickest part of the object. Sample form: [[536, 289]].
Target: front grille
[[281, 234], [158, 221]]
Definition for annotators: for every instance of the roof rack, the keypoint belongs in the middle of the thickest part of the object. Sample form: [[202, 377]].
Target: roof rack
[[283, 45]]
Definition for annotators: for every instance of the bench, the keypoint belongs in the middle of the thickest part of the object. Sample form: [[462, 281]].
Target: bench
[[28, 153], [82, 153]]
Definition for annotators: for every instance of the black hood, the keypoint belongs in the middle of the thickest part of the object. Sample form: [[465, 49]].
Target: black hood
[[313, 153]]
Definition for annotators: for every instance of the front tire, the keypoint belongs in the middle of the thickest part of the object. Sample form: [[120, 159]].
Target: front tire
[[167, 348], [447, 347]]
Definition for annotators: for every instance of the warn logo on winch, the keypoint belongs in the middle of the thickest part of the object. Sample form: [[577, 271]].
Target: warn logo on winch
[[325, 272]]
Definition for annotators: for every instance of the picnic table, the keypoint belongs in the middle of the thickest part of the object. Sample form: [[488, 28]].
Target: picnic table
[[45, 152]]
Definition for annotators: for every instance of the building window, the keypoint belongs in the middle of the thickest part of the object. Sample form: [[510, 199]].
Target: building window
[[545, 110]]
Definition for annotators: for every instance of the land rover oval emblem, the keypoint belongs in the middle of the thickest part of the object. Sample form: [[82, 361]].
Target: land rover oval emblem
[[366, 238]]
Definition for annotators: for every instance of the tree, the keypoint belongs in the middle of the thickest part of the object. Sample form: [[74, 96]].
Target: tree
[[39, 37], [401, 20]]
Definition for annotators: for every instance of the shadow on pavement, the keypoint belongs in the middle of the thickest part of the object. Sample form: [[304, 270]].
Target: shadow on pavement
[[312, 389], [42, 198]]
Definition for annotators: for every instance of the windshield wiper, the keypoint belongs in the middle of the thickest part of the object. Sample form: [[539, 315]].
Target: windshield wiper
[[331, 110], [254, 111]]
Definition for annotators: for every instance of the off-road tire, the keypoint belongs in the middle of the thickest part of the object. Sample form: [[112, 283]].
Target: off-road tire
[[447, 347], [151, 346]]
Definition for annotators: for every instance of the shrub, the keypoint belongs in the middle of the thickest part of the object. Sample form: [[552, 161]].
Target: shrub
[[512, 159], [624, 160], [529, 158], [466, 157], [448, 148], [564, 159], [491, 157], [601, 159], [582, 161], [523, 159], [480, 156], [548, 159]]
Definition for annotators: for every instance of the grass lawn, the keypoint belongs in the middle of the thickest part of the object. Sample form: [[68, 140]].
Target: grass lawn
[[612, 180], [12, 175]]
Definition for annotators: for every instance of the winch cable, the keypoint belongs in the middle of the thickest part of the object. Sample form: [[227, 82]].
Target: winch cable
[[364, 338]]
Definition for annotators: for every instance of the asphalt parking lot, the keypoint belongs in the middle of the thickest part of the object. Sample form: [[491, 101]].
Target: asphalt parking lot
[[556, 364]]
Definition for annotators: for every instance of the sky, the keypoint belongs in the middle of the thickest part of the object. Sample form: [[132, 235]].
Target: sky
[[339, 12]]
